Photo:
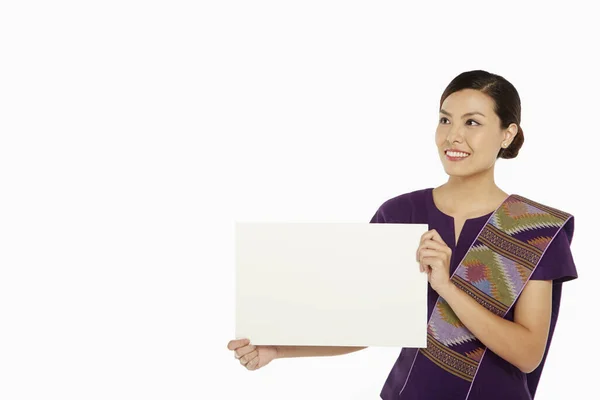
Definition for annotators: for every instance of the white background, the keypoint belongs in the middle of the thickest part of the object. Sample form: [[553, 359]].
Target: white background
[[133, 134]]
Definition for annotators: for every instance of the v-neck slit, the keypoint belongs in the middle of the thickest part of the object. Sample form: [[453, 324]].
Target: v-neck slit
[[450, 219]]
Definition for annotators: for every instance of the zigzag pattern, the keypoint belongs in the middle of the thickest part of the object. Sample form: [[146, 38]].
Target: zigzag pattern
[[445, 326], [493, 272], [483, 268], [540, 242], [476, 354], [515, 216], [513, 279]]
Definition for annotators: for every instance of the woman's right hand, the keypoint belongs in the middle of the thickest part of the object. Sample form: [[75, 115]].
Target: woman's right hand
[[250, 356]]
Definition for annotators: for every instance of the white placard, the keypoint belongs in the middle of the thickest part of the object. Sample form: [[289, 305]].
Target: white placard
[[330, 284]]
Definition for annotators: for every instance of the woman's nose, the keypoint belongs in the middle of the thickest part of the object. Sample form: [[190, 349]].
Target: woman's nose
[[454, 136]]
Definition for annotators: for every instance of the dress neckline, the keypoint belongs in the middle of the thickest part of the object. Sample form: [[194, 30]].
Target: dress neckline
[[451, 221], [436, 209]]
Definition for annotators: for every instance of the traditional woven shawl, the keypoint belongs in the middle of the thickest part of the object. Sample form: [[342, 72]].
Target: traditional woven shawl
[[494, 271]]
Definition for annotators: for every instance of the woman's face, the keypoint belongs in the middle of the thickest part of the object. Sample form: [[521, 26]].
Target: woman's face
[[468, 124]]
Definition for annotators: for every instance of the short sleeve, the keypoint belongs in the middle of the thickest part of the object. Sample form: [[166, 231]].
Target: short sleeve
[[402, 209], [557, 262], [378, 217]]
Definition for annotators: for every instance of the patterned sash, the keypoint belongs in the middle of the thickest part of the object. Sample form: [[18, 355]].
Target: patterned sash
[[494, 271]]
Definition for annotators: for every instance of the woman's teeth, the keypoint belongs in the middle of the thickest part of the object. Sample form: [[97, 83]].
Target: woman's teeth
[[456, 154]]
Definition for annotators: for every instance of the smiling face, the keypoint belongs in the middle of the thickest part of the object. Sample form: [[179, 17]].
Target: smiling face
[[468, 124]]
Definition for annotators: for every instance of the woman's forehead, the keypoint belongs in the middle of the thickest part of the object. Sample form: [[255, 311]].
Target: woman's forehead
[[468, 101]]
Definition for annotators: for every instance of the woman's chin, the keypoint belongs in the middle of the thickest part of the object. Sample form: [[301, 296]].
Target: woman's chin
[[457, 172]]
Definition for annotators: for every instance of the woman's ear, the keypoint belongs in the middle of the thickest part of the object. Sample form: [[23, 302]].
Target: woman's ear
[[510, 133]]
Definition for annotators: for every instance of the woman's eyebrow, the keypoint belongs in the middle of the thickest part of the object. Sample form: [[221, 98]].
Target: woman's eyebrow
[[442, 111]]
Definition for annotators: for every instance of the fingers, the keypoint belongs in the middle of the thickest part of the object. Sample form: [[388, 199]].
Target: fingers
[[428, 253], [235, 344], [426, 242], [245, 352], [429, 248], [433, 235], [431, 259], [242, 351], [431, 262], [432, 244], [250, 358], [437, 238], [427, 235], [252, 364]]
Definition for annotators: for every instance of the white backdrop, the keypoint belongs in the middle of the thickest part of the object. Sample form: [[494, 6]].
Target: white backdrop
[[133, 134]]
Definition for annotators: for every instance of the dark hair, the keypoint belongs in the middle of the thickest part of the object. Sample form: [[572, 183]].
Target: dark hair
[[507, 104]]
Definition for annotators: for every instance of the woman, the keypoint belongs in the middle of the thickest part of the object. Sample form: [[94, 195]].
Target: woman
[[495, 262]]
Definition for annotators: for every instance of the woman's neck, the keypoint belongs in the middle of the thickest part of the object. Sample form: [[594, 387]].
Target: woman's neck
[[469, 196]]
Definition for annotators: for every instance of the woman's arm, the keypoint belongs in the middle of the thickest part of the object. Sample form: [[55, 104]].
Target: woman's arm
[[522, 342], [313, 351]]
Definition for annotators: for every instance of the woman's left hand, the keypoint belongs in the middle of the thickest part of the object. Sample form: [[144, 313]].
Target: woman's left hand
[[434, 257]]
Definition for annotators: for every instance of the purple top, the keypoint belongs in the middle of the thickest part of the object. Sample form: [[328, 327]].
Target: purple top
[[496, 378]]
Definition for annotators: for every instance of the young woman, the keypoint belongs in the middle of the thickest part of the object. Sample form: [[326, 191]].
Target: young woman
[[495, 262]]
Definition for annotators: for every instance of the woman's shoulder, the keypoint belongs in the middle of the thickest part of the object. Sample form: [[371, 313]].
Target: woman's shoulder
[[408, 199], [404, 208]]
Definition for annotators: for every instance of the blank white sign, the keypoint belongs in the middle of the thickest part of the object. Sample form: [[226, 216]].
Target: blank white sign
[[330, 284]]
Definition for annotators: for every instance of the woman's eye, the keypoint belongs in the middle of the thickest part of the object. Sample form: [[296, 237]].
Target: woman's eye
[[469, 120]]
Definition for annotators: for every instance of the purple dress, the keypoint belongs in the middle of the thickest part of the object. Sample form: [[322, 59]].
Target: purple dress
[[497, 378]]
